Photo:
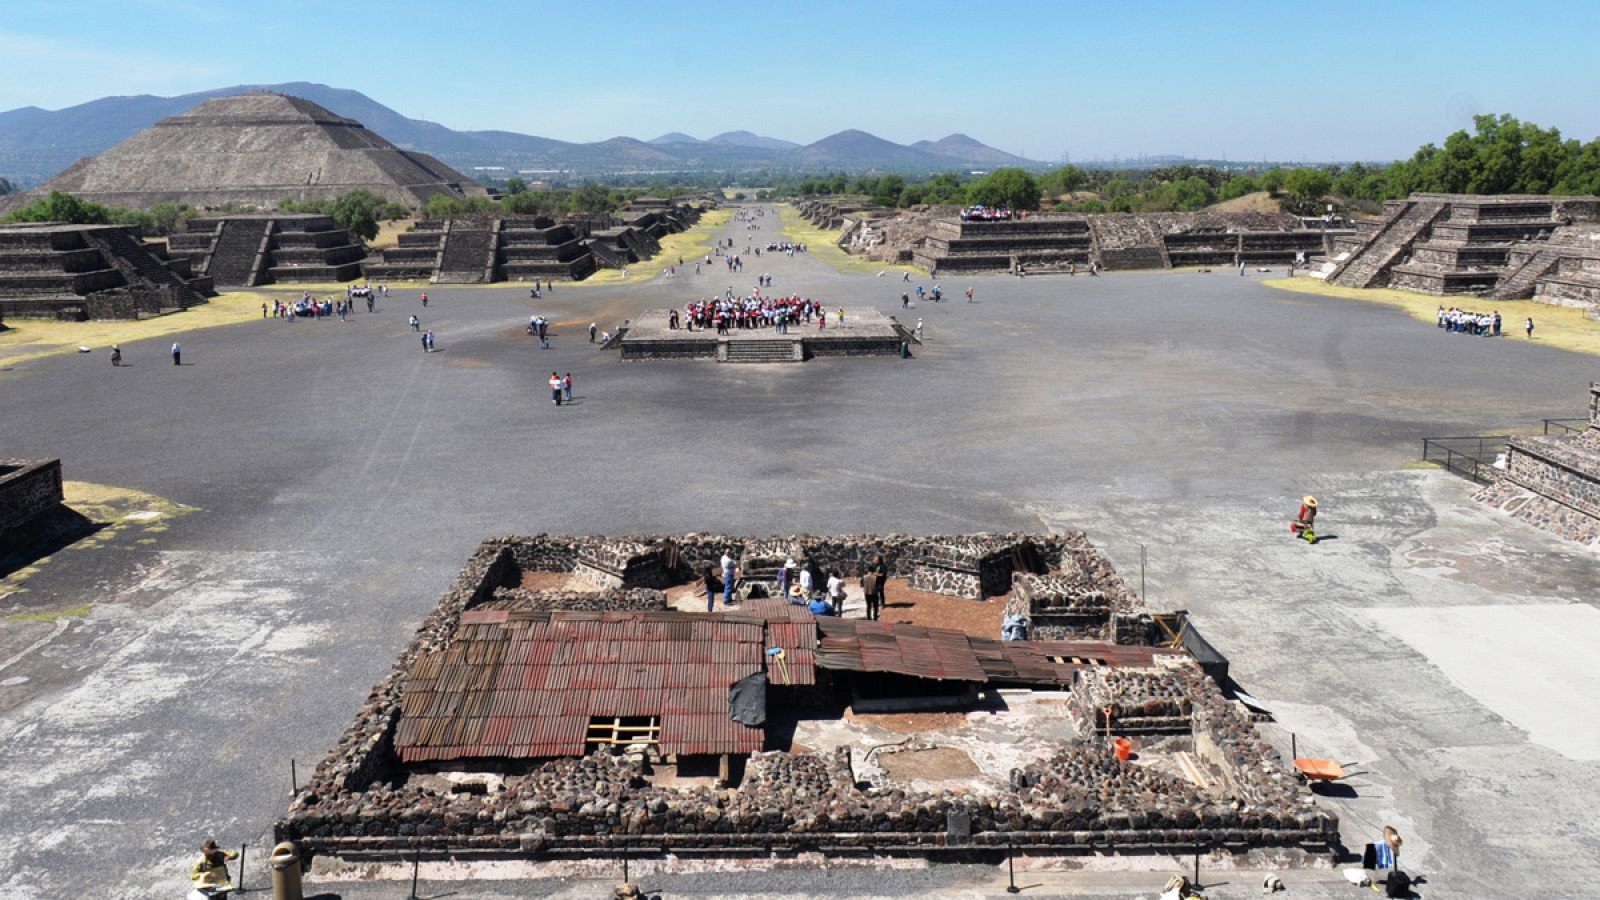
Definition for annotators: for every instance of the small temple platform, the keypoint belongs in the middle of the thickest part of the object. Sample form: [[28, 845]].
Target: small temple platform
[[862, 333]]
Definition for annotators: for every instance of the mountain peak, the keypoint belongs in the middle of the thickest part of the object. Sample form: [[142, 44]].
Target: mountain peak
[[752, 140], [674, 137]]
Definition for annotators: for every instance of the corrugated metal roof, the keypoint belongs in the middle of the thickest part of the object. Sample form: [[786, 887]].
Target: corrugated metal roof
[[856, 645], [526, 684]]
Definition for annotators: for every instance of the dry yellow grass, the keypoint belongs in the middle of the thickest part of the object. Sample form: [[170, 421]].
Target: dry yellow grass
[[34, 338], [1257, 202], [822, 244], [691, 244], [389, 233], [1555, 326]]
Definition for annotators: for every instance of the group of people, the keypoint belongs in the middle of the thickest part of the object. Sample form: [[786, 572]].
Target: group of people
[[787, 247], [728, 313], [980, 213], [560, 388], [1464, 321], [798, 584]]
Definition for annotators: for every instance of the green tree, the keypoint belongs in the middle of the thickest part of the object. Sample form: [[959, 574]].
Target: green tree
[[1238, 186], [1006, 188], [6, 187], [1065, 180], [1306, 188], [62, 207], [1192, 193], [887, 190], [515, 185]]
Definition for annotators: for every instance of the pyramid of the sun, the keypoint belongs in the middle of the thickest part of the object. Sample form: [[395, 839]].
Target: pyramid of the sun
[[256, 150]]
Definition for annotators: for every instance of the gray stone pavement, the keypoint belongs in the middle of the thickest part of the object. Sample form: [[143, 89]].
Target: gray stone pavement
[[339, 477]]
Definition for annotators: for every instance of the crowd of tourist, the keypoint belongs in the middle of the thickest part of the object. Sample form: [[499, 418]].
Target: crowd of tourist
[[981, 213], [729, 313], [1463, 321]]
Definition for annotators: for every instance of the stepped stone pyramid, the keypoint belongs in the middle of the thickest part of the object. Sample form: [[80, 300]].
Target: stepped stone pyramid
[[255, 149]]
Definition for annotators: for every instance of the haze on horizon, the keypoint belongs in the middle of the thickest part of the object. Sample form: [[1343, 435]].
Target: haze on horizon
[[1050, 81]]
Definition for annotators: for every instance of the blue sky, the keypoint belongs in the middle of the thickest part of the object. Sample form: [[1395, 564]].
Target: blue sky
[[1245, 80]]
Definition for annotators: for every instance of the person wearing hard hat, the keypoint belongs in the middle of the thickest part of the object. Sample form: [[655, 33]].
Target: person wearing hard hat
[[1303, 525]]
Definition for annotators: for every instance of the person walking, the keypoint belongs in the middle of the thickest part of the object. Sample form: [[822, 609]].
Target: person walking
[[427, 340], [263, 310], [116, 355], [416, 324], [592, 330], [919, 329], [566, 387], [424, 299], [177, 352], [969, 295], [879, 575], [905, 300], [1529, 328], [555, 388]]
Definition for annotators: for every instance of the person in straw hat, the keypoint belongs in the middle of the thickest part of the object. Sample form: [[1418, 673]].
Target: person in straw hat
[[209, 875], [1302, 526]]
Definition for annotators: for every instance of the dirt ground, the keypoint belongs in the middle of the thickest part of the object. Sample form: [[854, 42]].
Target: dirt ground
[[545, 581], [910, 723], [937, 764], [979, 618]]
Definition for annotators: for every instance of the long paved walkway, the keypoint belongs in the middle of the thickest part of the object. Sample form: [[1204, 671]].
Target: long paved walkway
[[335, 477]]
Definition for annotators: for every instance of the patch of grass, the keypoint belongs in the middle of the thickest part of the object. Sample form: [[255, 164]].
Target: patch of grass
[[30, 339], [821, 244], [51, 615], [691, 245], [1554, 326]]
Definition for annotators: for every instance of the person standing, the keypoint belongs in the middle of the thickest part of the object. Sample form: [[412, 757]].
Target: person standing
[[729, 575], [1529, 328], [416, 324], [424, 299], [116, 355], [592, 330], [177, 352], [969, 295], [711, 585], [566, 386], [427, 341], [879, 573], [836, 592], [263, 310], [424, 339], [919, 329], [905, 300], [555, 388]]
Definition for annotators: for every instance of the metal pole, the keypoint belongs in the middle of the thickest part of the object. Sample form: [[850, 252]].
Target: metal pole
[[240, 888], [1011, 869], [294, 779], [1294, 748], [625, 878], [1197, 870], [416, 863]]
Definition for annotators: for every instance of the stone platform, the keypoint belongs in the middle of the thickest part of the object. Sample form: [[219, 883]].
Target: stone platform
[[864, 332]]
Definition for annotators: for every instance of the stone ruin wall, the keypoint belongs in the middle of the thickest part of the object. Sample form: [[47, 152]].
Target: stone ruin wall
[[1554, 483], [1079, 800], [28, 488]]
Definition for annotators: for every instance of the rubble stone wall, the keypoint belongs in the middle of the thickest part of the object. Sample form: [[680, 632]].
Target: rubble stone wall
[[360, 801]]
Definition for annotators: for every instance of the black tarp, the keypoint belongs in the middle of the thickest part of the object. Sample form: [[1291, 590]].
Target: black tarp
[[747, 700]]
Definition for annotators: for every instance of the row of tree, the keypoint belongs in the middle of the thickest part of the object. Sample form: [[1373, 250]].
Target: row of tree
[[1501, 155]]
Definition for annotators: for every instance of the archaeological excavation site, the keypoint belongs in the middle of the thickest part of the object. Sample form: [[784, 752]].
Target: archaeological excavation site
[[570, 697]]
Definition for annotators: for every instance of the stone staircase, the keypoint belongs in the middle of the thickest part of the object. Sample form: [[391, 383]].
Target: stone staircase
[[1369, 266], [772, 350], [237, 255], [1519, 283], [469, 253], [140, 265]]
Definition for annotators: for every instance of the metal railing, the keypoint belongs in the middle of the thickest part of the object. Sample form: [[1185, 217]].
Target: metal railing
[[1472, 457], [1566, 426]]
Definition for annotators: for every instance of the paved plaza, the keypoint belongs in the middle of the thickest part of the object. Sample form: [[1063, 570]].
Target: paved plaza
[[319, 482]]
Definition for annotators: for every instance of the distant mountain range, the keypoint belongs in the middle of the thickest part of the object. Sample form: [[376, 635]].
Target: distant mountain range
[[35, 143]]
